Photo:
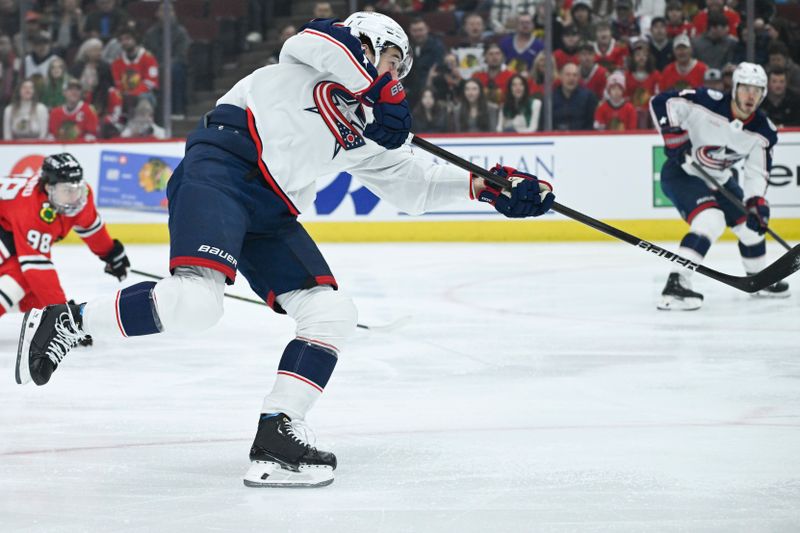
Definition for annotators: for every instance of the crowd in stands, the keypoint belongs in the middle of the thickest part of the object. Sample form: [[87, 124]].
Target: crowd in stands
[[90, 72], [87, 71], [479, 64]]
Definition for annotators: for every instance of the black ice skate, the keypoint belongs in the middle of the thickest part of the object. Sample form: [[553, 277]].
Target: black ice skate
[[779, 289], [47, 336], [678, 295], [280, 458]]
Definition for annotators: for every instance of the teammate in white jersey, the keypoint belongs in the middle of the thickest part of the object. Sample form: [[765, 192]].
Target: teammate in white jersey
[[731, 139], [333, 103]]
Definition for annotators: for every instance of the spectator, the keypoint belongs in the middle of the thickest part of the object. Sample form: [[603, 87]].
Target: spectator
[[67, 27], [779, 59], [573, 105], [712, 79], [642, 81], [593, 76], [9, 70], [37, 63], [25, 117], [676, 20], [685, 72], [106, 21], [9, 17], [700, 20], [715, 47], [93, 73], [647, 10], [660, 43], [446, 80], [473, 113], [761, 46], [323, 10], [536, 79], [609, 53], [52, 93], [430, 114], [520, 112], [427, 51], [782, 105], [153, 42], [582, 19], [568, 51], [555, 20], [143, 124], [615, 112], [287, 31], [624, 24], [135, 72], [521, 47], [503, 14], [75, 120], [727, 78], [474, 31], [494, 78]]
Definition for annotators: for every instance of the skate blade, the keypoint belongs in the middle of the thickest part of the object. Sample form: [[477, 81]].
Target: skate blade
[[771, 295], [30, 323], [670, 303], [268, 474]]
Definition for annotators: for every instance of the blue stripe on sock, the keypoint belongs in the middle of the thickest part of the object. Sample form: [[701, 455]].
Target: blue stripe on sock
[[696, 242], [308, 360], [755, 250], [136, 310]]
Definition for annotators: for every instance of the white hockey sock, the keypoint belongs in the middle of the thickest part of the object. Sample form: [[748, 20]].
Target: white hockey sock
[[291, 396], [690, 254]]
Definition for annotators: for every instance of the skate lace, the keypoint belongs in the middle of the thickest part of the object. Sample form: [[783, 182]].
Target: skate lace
[[301, 433], [68, 334]]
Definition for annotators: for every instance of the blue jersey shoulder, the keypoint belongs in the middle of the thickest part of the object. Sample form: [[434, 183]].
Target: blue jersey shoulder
[[762, 125], [335, 29]]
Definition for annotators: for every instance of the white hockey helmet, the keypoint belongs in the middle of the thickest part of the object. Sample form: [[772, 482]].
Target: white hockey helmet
[[750, 74], [382, 32]]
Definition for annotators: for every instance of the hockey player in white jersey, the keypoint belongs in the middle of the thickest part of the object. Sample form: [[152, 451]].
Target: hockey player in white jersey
[[333, 103], [732, 140]]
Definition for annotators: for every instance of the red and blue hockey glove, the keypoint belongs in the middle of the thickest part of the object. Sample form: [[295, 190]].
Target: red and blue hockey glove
[[116, 261], [676, 141], [529, 196], [757, 214], [391, 115]]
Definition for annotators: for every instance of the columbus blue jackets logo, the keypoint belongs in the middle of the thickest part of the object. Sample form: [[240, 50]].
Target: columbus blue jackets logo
[[342, 113], [717, 157]]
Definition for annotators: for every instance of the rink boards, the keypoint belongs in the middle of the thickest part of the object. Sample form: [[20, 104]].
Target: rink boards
[[611, 176]]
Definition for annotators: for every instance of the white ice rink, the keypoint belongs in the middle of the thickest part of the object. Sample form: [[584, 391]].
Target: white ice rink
[[536, 389]]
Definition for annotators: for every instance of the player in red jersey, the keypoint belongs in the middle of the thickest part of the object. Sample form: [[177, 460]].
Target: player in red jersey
[[685, 72], [37, 212]]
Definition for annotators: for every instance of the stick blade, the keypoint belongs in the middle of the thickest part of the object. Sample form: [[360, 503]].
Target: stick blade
[[783, 267]]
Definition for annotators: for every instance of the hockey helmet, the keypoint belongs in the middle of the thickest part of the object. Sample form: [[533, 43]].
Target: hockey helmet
[[62, 180], [382, 32], [750, 74]]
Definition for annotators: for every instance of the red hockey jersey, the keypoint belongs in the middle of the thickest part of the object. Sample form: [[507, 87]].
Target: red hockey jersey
[[608, 117], [78, 124], [135, 76], [672, 80], [596, 81], [25, 213]]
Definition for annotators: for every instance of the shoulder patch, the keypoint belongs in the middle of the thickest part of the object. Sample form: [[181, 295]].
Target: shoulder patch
[[715, 95], [47, 213]]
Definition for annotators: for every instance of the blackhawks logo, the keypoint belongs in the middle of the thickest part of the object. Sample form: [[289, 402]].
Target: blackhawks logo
[[47, 213]]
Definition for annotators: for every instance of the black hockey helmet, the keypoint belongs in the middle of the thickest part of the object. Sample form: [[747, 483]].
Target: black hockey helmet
[[61, 178]]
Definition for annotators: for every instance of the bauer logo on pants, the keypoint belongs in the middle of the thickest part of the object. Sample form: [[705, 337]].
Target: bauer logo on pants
[[213, 250]]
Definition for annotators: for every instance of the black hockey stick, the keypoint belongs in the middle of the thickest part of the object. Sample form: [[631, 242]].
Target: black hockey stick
[[784, 266], [383, 327], [712, 184]]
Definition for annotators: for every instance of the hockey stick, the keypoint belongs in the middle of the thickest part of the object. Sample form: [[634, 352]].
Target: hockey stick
[[403, 320], [712, 184], [784, 266]]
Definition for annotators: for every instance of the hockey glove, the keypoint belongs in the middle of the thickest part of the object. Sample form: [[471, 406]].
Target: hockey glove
[[529, 196], [676, 141], [757, 214], [391, 115], [117, 262]]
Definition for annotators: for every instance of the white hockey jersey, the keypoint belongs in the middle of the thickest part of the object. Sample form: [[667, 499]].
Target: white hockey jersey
[[723, 145], [307, 122]]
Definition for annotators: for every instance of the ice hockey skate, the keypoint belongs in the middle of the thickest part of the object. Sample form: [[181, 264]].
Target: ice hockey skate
[[47, 336], [678, 295], [776, 290], [280, 458]]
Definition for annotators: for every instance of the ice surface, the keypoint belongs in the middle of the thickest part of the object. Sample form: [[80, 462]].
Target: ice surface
[[537, 388]]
